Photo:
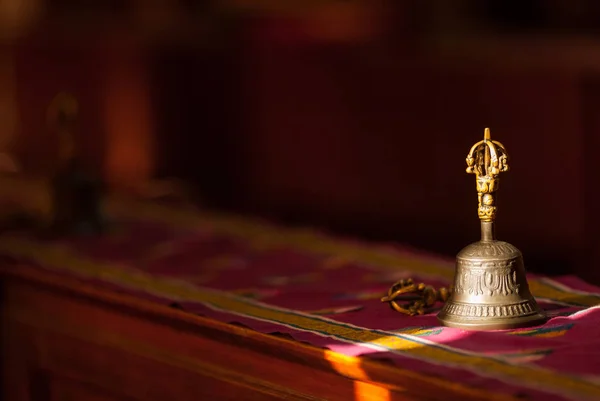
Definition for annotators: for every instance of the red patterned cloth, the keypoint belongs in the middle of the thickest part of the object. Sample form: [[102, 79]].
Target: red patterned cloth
[[326, 291]]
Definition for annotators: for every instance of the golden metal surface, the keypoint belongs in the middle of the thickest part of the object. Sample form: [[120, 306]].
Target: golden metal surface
[[421, 297], [487, 159], [490, 290]]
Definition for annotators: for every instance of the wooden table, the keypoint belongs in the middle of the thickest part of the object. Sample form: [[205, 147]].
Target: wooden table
[[68, 340], [189, 304]]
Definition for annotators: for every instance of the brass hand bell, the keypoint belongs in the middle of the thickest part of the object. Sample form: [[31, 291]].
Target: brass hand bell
[[490, 290]]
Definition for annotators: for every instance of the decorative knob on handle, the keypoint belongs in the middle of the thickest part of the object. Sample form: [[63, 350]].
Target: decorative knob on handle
[[487, 159]]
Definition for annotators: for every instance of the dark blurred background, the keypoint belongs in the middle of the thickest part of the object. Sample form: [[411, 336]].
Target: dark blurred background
[[351, 115]]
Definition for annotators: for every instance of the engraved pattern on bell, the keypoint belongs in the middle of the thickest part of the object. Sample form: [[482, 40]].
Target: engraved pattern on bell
[[487, 278], [490, 289]]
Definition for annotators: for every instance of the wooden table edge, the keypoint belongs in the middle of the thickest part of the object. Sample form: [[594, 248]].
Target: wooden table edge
[[394, 377]]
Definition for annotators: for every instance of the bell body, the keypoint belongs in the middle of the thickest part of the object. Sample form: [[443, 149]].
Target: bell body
[[490, 290]]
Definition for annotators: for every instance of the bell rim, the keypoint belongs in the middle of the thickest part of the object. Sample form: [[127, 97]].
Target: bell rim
[[494, 324]]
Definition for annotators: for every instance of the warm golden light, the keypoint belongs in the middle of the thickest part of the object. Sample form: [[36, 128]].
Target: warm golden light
[[370, 392], [346, 365], [350, 366]]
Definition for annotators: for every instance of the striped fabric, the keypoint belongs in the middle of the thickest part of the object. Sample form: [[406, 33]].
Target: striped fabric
[[325, 291]]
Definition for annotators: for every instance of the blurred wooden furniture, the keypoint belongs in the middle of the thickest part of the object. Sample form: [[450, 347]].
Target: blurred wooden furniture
[[271, 112], [66, 340]]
